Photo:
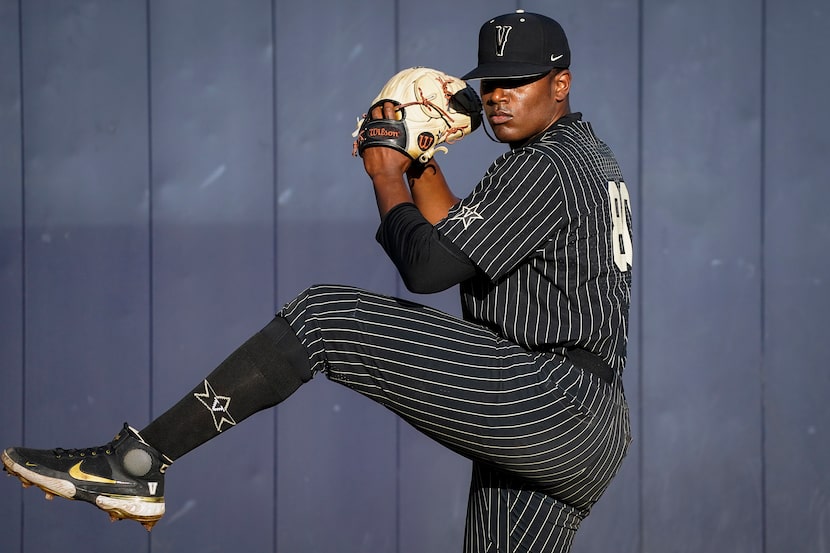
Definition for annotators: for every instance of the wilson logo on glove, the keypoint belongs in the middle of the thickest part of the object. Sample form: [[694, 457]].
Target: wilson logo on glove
[[383, 132], [425, 141], [432, 109]]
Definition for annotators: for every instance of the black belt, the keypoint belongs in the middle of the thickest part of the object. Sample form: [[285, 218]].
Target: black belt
[[591, 362]]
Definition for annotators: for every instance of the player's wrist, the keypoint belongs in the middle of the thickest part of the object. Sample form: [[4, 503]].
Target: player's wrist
[[380, 162]]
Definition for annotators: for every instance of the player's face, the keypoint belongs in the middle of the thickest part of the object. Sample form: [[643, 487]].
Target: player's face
[[519, 109]]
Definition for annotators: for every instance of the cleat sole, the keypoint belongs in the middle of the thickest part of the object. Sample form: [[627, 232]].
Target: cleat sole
[[122, 507], [146, 511], [52, 486]]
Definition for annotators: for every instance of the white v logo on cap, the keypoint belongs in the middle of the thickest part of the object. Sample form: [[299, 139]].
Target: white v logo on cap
[[502, 31]]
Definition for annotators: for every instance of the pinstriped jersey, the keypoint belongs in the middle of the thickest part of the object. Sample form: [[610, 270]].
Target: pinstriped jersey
[[549, 227]]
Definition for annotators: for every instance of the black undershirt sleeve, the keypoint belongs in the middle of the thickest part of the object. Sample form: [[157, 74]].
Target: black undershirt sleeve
[[426, 261]]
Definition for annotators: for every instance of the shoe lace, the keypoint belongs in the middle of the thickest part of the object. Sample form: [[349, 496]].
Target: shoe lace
[[106, 449]]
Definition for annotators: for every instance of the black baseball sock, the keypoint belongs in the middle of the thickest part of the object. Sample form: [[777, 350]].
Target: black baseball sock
[[262, 372]]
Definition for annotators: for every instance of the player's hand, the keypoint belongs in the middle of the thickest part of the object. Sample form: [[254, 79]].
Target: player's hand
[[380, 162]]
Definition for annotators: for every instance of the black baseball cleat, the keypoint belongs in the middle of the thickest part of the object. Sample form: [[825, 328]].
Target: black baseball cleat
[[125, 477]]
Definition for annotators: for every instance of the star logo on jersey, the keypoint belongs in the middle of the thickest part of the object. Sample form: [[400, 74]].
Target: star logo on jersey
[[217, 405], [467, 215]]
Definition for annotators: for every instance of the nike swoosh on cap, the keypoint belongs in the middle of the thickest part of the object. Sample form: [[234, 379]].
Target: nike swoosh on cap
[[554, 58]]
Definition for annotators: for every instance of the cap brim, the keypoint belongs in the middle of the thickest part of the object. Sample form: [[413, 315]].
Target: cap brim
[[507, 71]]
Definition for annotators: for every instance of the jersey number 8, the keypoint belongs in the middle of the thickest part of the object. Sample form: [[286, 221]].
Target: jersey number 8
[[620, 221]]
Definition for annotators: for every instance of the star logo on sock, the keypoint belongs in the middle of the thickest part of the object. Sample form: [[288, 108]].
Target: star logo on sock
[[467, 215], [217, 406]]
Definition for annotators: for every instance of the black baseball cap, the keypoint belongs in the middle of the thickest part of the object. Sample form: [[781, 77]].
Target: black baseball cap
[[520, 44]]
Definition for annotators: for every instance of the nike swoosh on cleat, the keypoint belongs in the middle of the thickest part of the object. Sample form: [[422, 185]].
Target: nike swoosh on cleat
[[29, 464], [78, 474]]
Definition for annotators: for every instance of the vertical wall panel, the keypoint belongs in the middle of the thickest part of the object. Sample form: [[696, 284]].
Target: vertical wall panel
[[11, 266], [797, 271], [335, 59], [212, 150], [85, 145], [701, 284], [336, 449]]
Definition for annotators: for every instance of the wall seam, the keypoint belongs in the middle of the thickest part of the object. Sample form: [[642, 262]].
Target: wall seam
[[639, 225], [275, 252], [23, 336], [762, 284], [150, 226]]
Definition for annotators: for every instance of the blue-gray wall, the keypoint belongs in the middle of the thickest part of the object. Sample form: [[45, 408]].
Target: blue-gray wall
[[173, 171]]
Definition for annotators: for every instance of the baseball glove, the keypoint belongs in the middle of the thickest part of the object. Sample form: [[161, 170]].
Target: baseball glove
[[432, 109]]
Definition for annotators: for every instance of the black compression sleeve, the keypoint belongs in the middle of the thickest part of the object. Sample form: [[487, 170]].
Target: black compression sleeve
[[426, 261]]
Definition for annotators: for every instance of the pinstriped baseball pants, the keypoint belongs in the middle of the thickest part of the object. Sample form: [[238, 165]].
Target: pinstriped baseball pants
[[545, 437]]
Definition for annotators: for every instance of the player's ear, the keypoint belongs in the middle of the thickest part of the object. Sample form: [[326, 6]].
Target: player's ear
[[562, 84]]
